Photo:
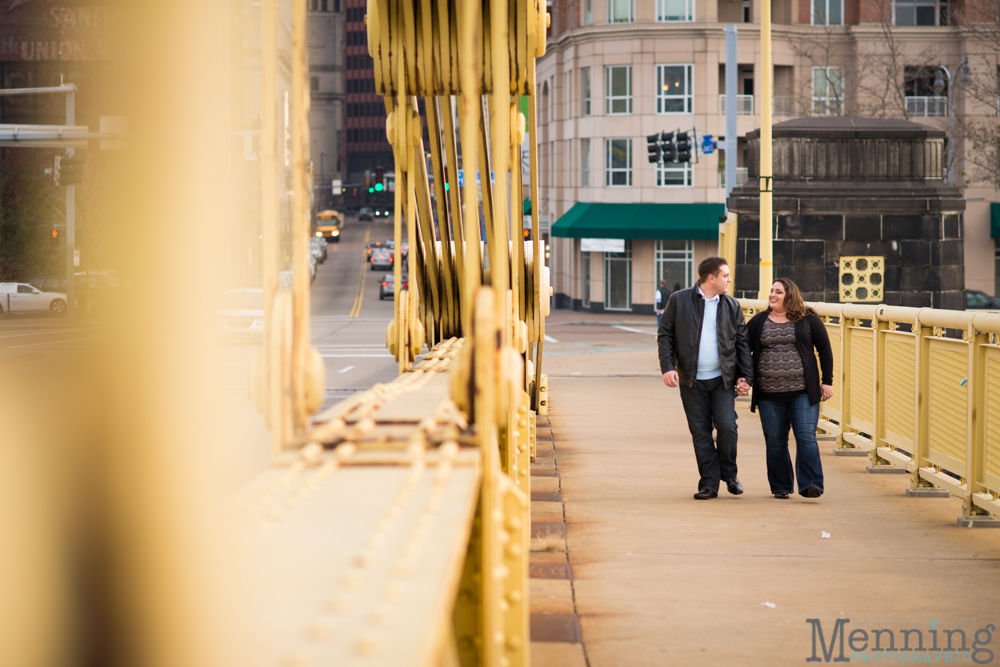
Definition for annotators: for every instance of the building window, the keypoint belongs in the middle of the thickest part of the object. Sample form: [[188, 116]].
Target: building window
[[921, 12], [588, 12], [618, 85], [314, 84], [619, 11], [552, 165], [618, 162], [585, 163], [569, 94], [618, 279], [674, 10], [585, 297], [828, 91], [675, 175], [827, 12], [585, 91], [746, 11], [674, 90], [922, 99], [552, 98], [675, 263]]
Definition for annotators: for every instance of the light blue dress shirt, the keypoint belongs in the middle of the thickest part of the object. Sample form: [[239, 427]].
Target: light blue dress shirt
[[708, 350]]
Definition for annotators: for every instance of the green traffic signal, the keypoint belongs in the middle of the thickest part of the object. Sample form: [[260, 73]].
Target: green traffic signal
[[379, 187], [371, 190]]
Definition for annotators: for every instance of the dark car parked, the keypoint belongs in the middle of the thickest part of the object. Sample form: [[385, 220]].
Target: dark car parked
[[979, 300]]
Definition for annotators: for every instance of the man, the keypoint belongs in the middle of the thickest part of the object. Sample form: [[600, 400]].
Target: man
[[704, 349], [662, 296]]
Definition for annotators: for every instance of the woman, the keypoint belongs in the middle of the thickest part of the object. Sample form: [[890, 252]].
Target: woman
[[788, 388]]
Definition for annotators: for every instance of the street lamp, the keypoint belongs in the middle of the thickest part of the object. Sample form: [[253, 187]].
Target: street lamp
[[938, 86]]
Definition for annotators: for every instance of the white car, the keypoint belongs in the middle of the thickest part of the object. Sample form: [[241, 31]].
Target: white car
[[25, 298], [240, 316]]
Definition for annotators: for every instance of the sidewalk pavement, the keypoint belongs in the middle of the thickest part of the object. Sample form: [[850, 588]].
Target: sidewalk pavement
[[654, 577]]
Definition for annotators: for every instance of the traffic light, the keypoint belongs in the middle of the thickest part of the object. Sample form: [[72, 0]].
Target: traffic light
[[653, 146], [667, 146], [683, 147], [71, 171], [527, 233]]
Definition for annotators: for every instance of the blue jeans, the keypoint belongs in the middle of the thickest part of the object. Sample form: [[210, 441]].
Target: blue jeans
[[709, 404], [776, 418]]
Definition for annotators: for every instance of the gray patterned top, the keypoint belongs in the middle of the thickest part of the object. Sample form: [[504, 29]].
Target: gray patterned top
[[780, 368]]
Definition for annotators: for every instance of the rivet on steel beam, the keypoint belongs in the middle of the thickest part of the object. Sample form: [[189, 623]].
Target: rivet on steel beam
[[383, 616], [366, 646], [345, 451], [393, 592], [353, 580], [323, 630], [403, 569], [312, 452], [299, 660], [337, 604], [364, 559], [514, 596]]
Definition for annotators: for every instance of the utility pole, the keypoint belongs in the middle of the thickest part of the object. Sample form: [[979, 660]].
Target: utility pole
[[766, 180], [732, 69], [70, 218]]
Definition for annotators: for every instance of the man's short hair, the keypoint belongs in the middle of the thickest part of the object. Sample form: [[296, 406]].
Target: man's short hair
[[710, 267], [663, 283]]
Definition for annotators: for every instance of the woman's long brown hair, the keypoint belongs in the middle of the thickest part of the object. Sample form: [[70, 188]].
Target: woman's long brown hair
[[795, 307]]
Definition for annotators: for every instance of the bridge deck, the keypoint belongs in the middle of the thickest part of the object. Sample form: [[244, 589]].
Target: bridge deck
[[659, 578]]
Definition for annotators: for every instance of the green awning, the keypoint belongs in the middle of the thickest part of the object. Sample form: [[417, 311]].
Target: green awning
[[995, 220], [640, 221]]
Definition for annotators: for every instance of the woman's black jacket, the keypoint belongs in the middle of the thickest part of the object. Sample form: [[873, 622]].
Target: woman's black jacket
[[810, 333]]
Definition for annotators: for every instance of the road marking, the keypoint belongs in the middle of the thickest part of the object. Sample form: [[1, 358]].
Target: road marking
[[57, 342], [354, 356], [356, 310], [630, 329], [550, 339], [49, 333], [344, 370]]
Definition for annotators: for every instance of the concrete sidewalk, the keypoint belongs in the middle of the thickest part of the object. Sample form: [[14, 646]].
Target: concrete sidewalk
[[658, 578]]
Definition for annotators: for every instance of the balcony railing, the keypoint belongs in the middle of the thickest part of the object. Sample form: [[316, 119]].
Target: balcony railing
[[744, 105], [741, 177], [927, 106]]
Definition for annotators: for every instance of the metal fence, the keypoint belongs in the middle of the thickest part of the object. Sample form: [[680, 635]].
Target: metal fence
[[744, 105], [927, 106], [918, 389]]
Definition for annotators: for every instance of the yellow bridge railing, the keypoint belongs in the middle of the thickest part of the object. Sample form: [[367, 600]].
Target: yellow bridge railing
[[918, 389]]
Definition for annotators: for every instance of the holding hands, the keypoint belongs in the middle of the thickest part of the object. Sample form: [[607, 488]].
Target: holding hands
[[742, 387]]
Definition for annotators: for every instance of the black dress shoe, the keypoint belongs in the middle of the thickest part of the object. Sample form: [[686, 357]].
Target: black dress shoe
[[735, 487], [812, 492], [781, 496], [705, 494]]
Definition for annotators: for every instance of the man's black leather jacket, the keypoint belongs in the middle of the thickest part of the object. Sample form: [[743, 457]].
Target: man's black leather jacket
[[679, 337]]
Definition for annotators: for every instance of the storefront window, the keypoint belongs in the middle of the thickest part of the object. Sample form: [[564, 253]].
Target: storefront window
[[675, 263], [618, 279]]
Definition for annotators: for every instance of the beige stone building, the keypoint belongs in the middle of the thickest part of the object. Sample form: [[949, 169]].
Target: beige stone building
[[617, 71]]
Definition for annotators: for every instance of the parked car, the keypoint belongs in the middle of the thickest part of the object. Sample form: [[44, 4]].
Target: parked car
[[381, 258], [240, 316], [25, 298], [318, 248], [979, 300], [365, 213], [387, 290]]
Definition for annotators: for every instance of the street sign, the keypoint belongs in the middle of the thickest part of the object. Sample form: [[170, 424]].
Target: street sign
[[707, 144], [461, 178], [76, 258], [337, 186], [602, 245]]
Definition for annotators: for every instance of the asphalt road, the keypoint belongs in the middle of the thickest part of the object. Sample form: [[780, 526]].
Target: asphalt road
[[348, 329]]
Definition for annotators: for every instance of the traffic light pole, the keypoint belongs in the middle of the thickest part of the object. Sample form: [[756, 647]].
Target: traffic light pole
[[70, 219], [766, 180]]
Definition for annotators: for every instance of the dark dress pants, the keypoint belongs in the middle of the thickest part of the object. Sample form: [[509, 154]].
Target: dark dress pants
[[708, 404]]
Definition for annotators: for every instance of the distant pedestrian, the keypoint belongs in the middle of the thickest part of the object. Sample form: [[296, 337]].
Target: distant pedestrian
[[703, 348], [784, 342], [661, 298]]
